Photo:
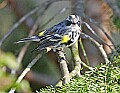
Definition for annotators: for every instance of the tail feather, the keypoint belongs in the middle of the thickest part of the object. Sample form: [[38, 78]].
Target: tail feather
[[33, 38]]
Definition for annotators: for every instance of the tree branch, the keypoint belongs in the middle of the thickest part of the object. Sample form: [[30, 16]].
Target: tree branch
[[63, 65], [32, 31], [30, 65], [84, 52], [18, 23], [97, 45], [78, 62], [76, 58], [47, 3], [99, 27]]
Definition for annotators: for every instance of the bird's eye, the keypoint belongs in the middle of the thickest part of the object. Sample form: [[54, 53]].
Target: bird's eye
[[78, 23], [68, 23]]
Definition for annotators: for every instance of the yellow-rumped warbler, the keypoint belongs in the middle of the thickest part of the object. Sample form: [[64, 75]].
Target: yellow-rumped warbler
[[64, 34]]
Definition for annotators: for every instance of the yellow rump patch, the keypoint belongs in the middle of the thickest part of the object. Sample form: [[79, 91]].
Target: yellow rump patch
[[65, 39], [41, 33]]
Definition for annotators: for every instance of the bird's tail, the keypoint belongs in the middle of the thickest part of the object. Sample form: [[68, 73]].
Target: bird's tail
[[33, 38]]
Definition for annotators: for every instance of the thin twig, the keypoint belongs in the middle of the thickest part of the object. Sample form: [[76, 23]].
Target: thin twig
[[84, 52], [99, 27], [97, 45], [24, 18], [86, 66], [18, 23], [59, 12], [29, 21], [3, 4], [32, 31], [100, 49], [24, 48], [71, 75], [30, 65], [93, 32]]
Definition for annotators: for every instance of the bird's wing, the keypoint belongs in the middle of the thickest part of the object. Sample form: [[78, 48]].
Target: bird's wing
[[49, 41], [56, 29]]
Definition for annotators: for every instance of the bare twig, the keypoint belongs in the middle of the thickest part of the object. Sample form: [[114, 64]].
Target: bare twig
[[100, 49], [99, 27], [75, 53], [24, 48], [78, 62], [63, 65], [30, 65], [32, 31], [76, 69], [29, 21], [59, 12], [84, 52], [93, 32], [18, 23], [47, 3], [97, 45]]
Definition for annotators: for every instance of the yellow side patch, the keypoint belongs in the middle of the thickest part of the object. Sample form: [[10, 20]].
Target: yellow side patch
[[65, 39], [41, 33]]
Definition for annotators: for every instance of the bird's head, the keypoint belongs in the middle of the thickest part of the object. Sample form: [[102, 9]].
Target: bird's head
[[73, 19]]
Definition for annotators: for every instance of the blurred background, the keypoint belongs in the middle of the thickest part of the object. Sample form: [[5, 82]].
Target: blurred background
[[15, 57]]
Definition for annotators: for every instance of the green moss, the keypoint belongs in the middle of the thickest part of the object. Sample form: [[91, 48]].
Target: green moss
[[104, 79]]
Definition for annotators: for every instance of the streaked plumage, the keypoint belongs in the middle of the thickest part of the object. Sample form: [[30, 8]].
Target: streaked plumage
[[63, 34]]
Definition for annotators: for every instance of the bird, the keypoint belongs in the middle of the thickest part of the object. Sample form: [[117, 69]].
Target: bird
[[63, 34]]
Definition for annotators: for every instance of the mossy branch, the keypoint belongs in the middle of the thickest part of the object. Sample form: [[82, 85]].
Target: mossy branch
[[77, 61], [76, 58]]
